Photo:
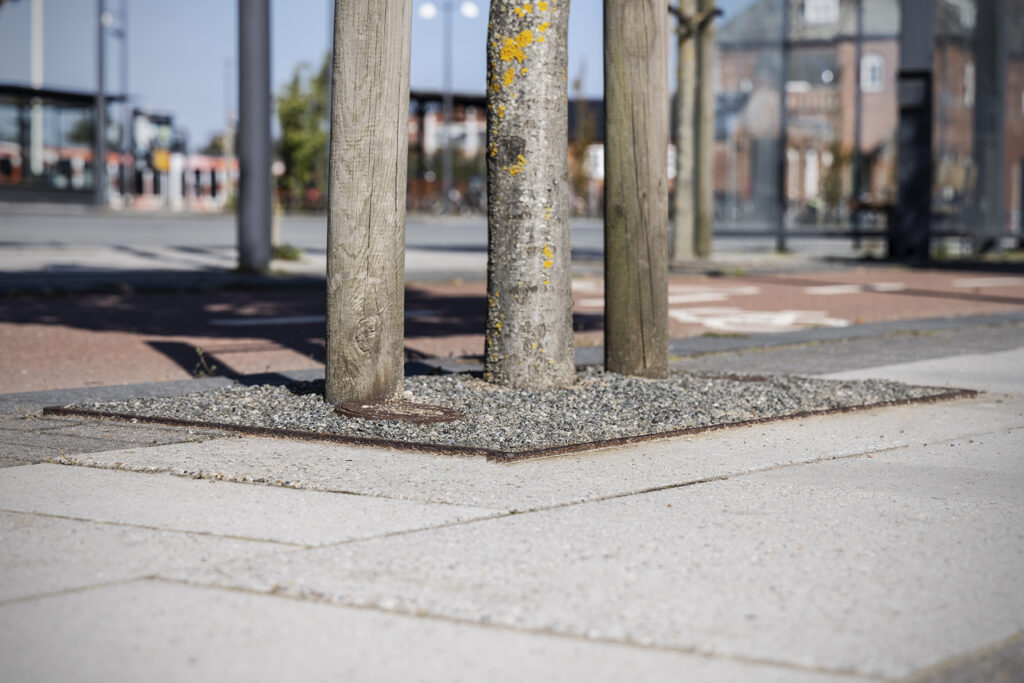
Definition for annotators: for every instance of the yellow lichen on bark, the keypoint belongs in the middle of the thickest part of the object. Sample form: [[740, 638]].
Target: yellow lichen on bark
[[511, 50], [518, 167]]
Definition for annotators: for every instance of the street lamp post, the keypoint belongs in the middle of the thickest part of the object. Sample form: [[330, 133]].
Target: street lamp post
[[428, 10], [100, 173]]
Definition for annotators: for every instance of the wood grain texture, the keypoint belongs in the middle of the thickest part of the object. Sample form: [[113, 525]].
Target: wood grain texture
[[636, 193], [529, 342], [366, 216]]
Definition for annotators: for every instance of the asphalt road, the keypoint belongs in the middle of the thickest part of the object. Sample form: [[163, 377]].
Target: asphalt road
[[69, 226]]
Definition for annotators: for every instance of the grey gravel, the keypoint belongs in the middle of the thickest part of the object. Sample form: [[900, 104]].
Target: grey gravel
[[600, 406]]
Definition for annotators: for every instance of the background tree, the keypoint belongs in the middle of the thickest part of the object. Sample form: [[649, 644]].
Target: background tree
[[529, 341], [302, 111], [366, 216], [683, 213], [705, 165], [636, 193], [583, 134]]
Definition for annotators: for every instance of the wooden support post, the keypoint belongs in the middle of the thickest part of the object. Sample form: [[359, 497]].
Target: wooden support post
[[636, 196], [366, 218]]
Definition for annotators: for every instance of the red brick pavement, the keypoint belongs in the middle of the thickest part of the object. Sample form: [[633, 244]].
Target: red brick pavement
[[99, 339]]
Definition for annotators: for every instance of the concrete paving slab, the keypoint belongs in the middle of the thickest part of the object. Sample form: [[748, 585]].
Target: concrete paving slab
[[307, 518], [138, 433], [996, 372], [44, 555], [1002, 452], [35, 423], [18, 461], [755, 567], [54, 444], [532, 484], [961, 483], [155, 631]]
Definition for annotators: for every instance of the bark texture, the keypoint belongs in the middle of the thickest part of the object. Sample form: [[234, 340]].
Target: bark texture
[[684, 216], [529, 343], [705, 131], [636, 196], [366, 218]]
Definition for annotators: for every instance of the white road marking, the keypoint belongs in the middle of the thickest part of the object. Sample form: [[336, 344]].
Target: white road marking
[[286, 320], [259, 322], [979, 282], [730, 319], [684, 294], [831, 290], [887, 287]]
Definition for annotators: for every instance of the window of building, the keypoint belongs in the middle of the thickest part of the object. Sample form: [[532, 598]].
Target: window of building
[[872, 73], [969, 84], [821, 11]]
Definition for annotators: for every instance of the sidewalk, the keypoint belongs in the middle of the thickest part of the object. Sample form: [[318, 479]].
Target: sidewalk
[[865, 546], [886, 544]]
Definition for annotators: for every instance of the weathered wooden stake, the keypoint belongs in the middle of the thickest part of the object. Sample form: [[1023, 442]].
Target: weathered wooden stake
[[529, 343], [636, 193], [366, 219]]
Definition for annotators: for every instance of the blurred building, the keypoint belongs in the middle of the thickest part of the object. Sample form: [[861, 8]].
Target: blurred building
[[808, 112], [47, 144]]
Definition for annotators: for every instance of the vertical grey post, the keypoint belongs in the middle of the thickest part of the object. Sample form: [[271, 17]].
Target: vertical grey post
[[126, 120], [910, 232], [989, 123], [683, 194], [254, 183], [366, 204], [100, 167], [636, 193], [705, 190], [1020, 207], [780, 162], [858, 117], [446, 106]]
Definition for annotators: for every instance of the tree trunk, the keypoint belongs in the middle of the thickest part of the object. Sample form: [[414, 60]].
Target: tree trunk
[[636, 196], [366, 218], [684, 217], [705, 132], [529, 343]]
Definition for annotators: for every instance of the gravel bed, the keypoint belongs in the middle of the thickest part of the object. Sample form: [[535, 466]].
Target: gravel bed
[[600, 406]]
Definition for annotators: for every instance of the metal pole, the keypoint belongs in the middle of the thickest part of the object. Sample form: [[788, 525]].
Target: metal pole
[[858, 117], [910, 231], [125, 113], [35, 155], [254, 186], [1020, 206], [100, 165], [780, 224], [446, 154], [989, 123]]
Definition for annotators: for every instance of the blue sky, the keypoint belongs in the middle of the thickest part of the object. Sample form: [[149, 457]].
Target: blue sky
[[182, 53]]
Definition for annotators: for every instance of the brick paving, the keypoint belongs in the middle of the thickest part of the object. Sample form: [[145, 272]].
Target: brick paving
[[54, 342]]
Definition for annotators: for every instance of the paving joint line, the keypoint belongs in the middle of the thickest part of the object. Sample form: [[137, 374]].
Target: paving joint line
[[318, 598], [200, 475], [70, 591], [975, 657], [129, 525]]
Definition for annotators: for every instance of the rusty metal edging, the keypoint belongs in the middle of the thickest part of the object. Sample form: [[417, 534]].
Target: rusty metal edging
[[490, 454]]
